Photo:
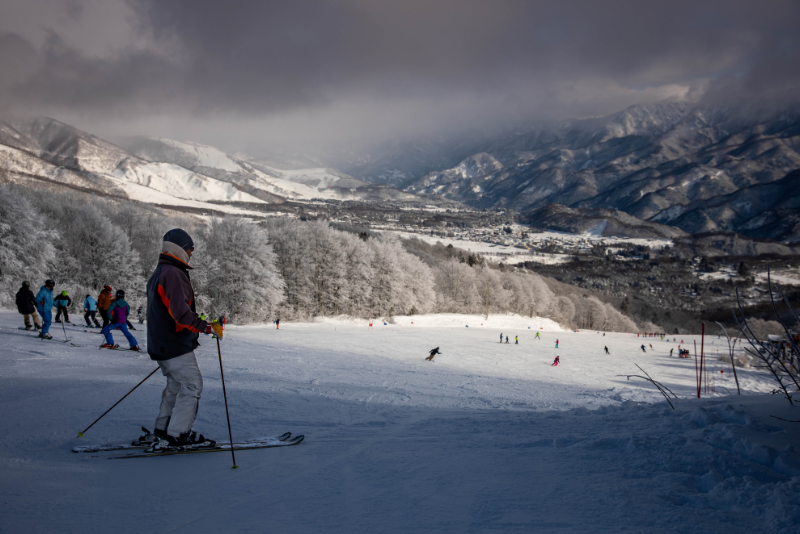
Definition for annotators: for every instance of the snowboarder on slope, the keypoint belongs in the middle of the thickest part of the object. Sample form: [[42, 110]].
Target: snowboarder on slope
[[26, 305], [118, 314], [173, 327], [90, 307], [556, 362], [606, 349], [433, 353], [44, 305], [103, 302], [62, 301]]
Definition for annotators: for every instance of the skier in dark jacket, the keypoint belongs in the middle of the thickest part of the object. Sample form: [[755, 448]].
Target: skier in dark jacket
[[606, 349], [26, 305], [173, 327], [61, 302], [433, 353]]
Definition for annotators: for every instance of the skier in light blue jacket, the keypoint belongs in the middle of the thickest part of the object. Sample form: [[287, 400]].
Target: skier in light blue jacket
[[44, 305], [90, 307]]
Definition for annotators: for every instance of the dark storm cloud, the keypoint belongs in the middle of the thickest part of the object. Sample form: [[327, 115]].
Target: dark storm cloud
[[405, 61]]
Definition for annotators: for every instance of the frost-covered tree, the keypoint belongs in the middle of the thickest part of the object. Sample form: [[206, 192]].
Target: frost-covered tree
[[26, 244], [242, 282]]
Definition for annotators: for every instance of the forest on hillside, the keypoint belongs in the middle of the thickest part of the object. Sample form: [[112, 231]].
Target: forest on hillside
[[254, 272]]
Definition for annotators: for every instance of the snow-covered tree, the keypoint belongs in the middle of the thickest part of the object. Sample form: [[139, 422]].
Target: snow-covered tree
[[242, 282]]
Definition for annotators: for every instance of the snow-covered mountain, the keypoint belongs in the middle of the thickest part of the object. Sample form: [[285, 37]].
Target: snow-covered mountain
[[164, 171], [672, 163], [256, 177]]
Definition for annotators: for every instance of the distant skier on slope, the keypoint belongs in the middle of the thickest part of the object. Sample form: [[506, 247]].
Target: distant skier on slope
[[173, 327], [606, 349], [670, 351], [516, 340], [433, 353], [651, 346], [501, 337], [506, 340], [556, 362], [62, 301], [537, 336], [26, 305], [44, 305], [556, 343], [118, 318], [643, 349]]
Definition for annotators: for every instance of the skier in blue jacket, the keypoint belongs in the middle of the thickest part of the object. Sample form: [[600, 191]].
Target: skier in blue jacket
[[44, 305], [118, 314], [90, 307]]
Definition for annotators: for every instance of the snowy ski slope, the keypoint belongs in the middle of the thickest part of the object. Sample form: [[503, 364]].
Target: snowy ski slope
[[487, 438]]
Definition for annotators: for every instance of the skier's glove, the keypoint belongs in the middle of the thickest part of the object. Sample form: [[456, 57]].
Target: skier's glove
[[215, 328]]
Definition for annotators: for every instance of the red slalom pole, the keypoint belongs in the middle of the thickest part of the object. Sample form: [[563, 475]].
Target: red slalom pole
[[225, 395], [697, 370]]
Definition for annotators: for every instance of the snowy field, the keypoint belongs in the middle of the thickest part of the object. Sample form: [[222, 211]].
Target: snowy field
[[487, 438]]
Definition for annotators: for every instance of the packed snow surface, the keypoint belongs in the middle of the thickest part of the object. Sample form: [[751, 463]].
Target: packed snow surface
[[488, 437]]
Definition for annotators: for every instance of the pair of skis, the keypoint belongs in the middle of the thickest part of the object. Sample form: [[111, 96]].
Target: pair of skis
[[160, 448]]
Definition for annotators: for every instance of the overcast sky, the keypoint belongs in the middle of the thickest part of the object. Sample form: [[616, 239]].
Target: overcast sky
[[247, 74]]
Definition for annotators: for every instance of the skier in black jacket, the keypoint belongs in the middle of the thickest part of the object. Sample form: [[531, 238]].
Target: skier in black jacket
[[62, 301], [26, 305], [434, 352]]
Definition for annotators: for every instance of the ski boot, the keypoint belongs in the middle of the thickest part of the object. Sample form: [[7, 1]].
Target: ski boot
[[149, 438], [28, 327], [45, 336], [109, 346], [186, 441], [136, 348]]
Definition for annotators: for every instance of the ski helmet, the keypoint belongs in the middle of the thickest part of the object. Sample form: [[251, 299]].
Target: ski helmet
[[49, 282], [108, 288], [26, 284], [120, 294], [64, 292]]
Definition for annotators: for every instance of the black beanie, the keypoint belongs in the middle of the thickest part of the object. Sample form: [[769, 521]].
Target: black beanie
[[180, 238]]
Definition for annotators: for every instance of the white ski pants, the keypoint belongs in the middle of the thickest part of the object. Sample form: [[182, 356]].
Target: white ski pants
[[181, 397]]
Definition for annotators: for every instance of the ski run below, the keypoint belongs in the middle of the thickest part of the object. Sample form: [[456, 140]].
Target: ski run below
[[488, 437]]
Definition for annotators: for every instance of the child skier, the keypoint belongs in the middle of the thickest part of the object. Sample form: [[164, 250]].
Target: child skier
[[103, 302], [434, 352], [118, 318], [62, 301], [44, 305], [90, 307], [556, 362], [516, 340], [537, 336], [556, 343], [506, 340]]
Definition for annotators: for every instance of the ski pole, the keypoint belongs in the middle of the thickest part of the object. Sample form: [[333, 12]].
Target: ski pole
[[80, 434], [225, 395], [65, 330]]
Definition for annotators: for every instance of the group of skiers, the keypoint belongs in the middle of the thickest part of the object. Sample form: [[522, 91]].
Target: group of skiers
[[173, 329]]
